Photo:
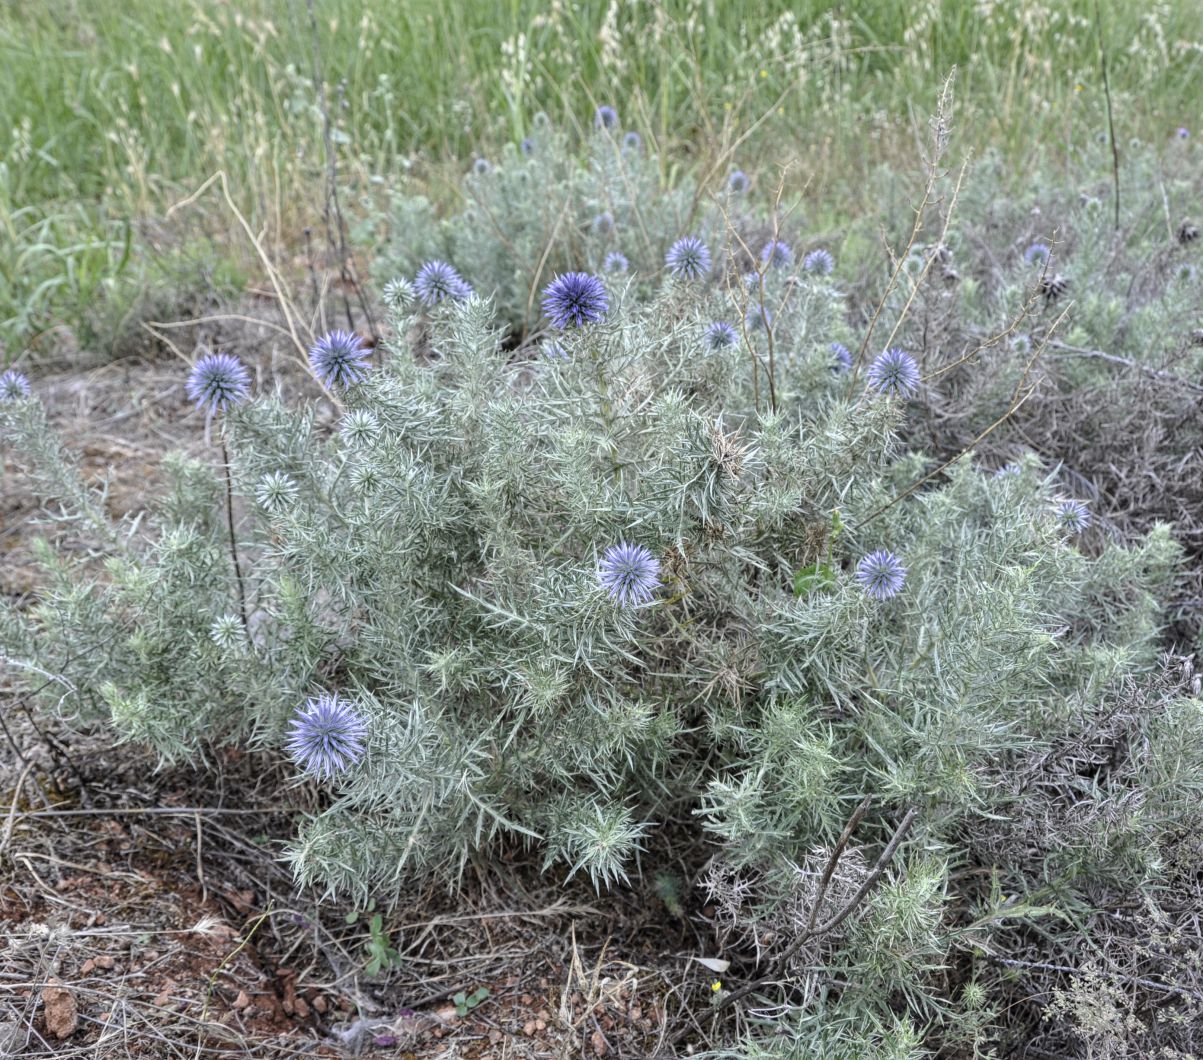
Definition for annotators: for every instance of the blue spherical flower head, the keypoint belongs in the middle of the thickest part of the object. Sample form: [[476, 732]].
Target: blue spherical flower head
[[437, 281], [632, 141], [528, 146], [481, 166], [13, 385], [603, 224], [737, 182], [777, 254], [616, 261], [327, 736], [1073, 515], [841, 357], [339, 358], [218, 381], [721, 336], [894, 372], [575, 299], [758, 317], [819, 261], [1037, 254], [1183, 133], [688, 258], [629, 573], [881, 574], [605, 117]]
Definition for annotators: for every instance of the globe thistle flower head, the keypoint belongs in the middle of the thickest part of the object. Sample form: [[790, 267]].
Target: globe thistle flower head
[[327, 736], [881, 574], [841, 357], [13, 385], [339, 358], [819, 261], [1008, 471], [632, 141], [1037, 254], [359, 426], [616, 261], [481, 166], [605, 117], [777, 254], [1073, 516], [527, 146], [688, 258], [437, 281], [738, 182], [603, 224], [757, 317], [894, 372], [1183, 133], [276, 492], [629, 573], [217, 382], [721, 336], [227, 633], [398, 293], [574, 299]]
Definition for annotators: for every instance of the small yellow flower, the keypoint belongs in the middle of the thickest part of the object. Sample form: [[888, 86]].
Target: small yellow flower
[[716, 986], [1078, 87], [764, 73]]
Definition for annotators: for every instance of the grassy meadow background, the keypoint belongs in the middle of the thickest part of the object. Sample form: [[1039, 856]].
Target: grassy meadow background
[[116, 113]]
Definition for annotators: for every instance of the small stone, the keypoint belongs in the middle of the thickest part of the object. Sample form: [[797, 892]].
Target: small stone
[[87, 967], [62, 1013], [242, 1000], [528, 1028], [106, 962], [301, 1006], [320, 1004]]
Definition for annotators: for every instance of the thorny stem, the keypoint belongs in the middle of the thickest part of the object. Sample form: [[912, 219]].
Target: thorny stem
[[225, 466]]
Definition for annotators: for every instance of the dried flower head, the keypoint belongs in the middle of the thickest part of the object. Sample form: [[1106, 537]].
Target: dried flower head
[[777, 254], [1073, 516], [819, 261], [276, 492], [217, 382], [881, 574], [327, 736], [721, 336], [616, 261], [894, 372], [688, 258], [574, 299], [629, 573], [1054, 287], [13, 385], [841, 357], [632, 141], [437, 281], [737, 182], [605, 117], [339, 358], [1188, 232]]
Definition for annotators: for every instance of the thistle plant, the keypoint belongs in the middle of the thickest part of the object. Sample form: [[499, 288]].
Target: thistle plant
[[625, 590]]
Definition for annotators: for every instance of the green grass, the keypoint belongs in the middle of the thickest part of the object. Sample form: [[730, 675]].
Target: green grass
[[120, 108]]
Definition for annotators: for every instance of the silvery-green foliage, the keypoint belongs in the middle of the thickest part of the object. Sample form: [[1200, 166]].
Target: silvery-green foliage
[[433, 559]]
